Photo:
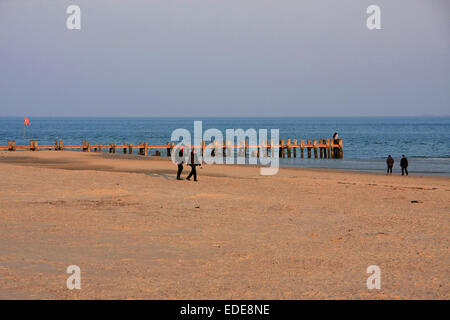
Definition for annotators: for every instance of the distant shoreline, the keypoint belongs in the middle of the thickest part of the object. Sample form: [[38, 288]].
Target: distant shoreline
[[4, 155]]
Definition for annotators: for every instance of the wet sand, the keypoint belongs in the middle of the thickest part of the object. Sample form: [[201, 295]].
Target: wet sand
[[137, 233]]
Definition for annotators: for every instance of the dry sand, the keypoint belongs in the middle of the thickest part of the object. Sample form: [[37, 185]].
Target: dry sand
[[301, 234]]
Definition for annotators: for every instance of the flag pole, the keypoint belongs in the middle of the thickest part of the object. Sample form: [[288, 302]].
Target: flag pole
[[26, 122]]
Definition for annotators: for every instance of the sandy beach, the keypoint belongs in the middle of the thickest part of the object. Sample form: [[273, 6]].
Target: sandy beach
[[137, 233]]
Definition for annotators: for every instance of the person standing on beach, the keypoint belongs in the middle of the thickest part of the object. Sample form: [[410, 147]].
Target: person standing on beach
[[404, 165], [390, 164], [335, 138], [194, 163], [180, 163]]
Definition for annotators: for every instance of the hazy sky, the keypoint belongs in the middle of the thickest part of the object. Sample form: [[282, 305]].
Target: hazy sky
[[224, 58]]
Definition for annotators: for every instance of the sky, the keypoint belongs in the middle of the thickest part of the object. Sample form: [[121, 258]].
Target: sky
[[224, 58]]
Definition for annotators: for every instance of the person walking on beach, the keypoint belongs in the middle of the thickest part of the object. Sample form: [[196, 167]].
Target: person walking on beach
[[390, 164], [180, 163], [194, 163], [404, 165]]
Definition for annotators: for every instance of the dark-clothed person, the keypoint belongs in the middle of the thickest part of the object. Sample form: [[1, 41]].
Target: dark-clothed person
[[335, 138], [390, 164], [194, 163], [180, 163], [404, 165]]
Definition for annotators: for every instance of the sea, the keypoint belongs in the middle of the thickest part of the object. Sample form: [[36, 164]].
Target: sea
[[367, 141]]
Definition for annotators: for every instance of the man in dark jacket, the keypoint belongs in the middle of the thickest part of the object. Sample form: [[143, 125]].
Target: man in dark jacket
[[390, 164], [194, 163], [404, 165], [335, 138], [180, 163]]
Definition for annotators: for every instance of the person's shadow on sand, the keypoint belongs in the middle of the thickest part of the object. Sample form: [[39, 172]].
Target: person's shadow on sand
[[160, 175]]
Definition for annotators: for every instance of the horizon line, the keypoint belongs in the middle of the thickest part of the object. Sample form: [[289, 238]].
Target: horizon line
[[227, 117]]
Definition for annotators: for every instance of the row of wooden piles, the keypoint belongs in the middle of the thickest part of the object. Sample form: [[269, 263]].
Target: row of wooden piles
[[323, 148]]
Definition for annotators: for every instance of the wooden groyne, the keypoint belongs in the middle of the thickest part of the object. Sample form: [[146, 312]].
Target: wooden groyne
[[322, 148]]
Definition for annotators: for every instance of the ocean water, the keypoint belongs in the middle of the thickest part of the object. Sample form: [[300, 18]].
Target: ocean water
[[367, 141]]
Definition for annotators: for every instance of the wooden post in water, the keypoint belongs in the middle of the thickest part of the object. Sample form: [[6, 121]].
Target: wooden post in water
[[84, 146], [335, 149], [124, 148], [218, 148], [169, 149], [99, 148], [309, 149], [34, 145], [145, 148], [229, 151], [246, 148], [295, 148], [130, 148], [302, 145], [289, 148], [330, 149], [325, 149], [315, 149], [341, 149], [264, 149], [279, 149], [203, 147], [240, 148], [12, 145], [282, 148], [321, 149], [224, 148], [259, 148]]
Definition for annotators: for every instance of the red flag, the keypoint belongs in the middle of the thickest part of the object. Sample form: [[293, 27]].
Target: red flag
[[26, 121]]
